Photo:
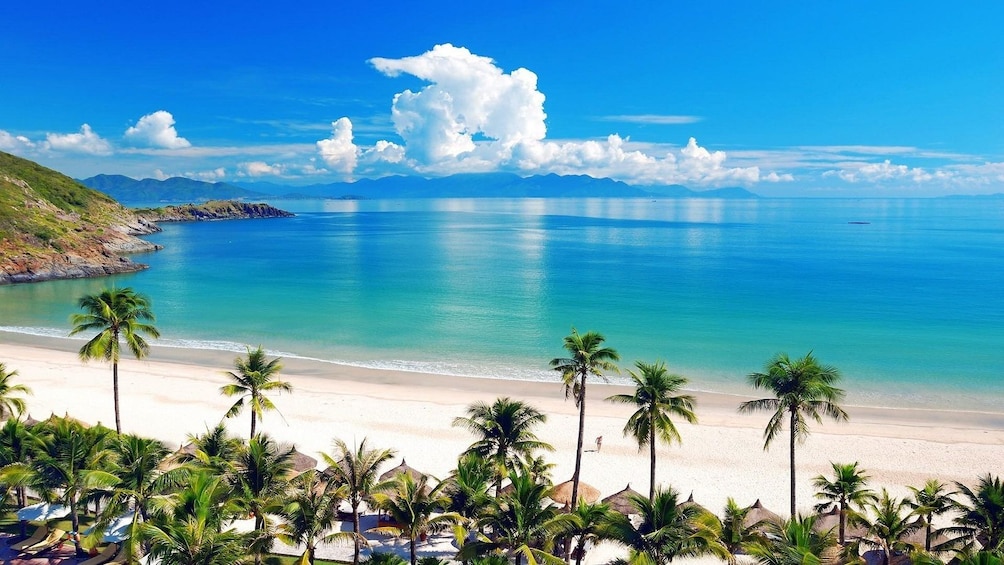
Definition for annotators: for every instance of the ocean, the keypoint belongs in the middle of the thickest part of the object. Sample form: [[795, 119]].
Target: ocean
[[903, 296]]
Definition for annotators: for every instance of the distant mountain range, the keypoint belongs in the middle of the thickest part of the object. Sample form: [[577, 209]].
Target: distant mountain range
[[148, 191]]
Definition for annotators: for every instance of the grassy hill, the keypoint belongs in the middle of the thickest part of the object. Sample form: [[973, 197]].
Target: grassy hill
[[52, 227]]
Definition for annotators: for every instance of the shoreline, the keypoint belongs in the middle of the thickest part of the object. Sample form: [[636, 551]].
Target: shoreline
[[174, 392]]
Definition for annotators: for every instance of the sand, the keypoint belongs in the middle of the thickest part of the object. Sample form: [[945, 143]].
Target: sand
[[174, 393]]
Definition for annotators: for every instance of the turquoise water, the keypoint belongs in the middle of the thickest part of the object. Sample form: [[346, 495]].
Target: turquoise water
[[909, 305]]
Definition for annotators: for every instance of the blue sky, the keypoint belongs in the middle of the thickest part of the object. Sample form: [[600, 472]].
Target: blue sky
[[786, 99]]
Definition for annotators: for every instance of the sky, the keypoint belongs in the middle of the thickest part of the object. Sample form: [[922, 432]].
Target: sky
[[842, 99]]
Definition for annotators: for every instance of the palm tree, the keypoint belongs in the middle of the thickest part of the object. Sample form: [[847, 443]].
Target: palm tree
[[504, 432], [260, 484], [69, 466], [667, 530], [801, 387], [215, 450], [356, 468], [846, 488], [255, 376], [587, 357], [736, 535], [411, 505], [116, 314], [468, 486], [310, 511], [890, 526], [588, 525], [10, 405], [980, 516], [656, 400], [521, 524], [17, 448], [932, 500], [794, 542], [186, 527]]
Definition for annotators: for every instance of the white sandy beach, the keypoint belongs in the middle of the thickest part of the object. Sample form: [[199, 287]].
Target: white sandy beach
[[175, 393]]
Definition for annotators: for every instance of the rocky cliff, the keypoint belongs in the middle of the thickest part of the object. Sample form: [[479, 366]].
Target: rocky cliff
[[212, 210], [52, 227]]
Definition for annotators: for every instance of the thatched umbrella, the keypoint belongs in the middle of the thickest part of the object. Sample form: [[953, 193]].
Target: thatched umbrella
[[403, 468], [621, 501], [758, 514], [830, 521], [302, 462], [689, 503], [562, 494], [29, 421]]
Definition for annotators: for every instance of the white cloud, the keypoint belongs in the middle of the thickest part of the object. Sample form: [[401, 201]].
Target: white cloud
[[774, 177], [338, 151], [156, 130], [15, 144], [473, 117], [654, 119], [879, 172], [86, 141], [259, 169]]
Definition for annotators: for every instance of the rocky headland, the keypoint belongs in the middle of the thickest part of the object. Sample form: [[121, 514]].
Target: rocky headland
[[212, 210]]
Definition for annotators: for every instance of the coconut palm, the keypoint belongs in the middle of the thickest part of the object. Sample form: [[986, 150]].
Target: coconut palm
[[794, 542], [260, 484], [468, 486], [656, 401], [505, 433], [522, 525], [216, 450], [256, 375], [801, 387], [587, 356], [666, 530], [411, 505], [309, 512], [187, 527], [845, 489], [932, 500], [356, 468], [17, 447], [70, 465], [980, 516], [11, 405], [117, 314], [736, 534], [588, 525], [889, 524]]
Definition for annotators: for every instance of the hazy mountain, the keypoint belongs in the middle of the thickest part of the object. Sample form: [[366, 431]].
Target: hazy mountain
[[176, 189]]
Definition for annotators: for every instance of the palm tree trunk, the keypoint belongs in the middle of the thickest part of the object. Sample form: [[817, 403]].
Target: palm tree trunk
[[578, 445], [581, 550], [115, 393], [791, 426], [651, 446], [252, 424], [411, 545], [75, 524], [843, 524], [355, 530], [927, 535]]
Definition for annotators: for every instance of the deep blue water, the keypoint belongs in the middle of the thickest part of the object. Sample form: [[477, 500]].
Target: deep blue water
[[908, 306]]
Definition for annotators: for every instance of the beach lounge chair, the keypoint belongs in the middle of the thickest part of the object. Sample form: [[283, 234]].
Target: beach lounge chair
[[105, 556], [36, 537], [54, 538]]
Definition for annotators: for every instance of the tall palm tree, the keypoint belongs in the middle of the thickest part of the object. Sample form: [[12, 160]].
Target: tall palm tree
[[505, 433], [934, 499], [794, 542], [187, 526], [587, 356], [117, 314], [356, 468], [521, 524], [845, 489], [11, 405], [736, 534], [656, 401], [980, 515], [468, 486], [309, 512], [666, 530], [138, 467], [216, 450], [411, 504], [888, 526], [256, 375], [801, 387], [260, 484]]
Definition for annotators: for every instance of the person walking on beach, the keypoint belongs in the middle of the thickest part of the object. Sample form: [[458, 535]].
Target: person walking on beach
[[599, 443]]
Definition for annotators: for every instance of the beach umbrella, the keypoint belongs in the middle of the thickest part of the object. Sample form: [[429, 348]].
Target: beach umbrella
[[42, 512], [562, 494], [29, 421], [689, 503], [830, 521], [302, 462], [621, 501], [759, 514], [403, 468]]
